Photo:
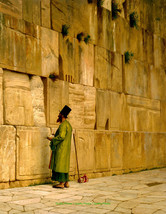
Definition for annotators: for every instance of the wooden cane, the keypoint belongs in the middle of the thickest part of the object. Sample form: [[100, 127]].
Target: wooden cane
[[79, 179]]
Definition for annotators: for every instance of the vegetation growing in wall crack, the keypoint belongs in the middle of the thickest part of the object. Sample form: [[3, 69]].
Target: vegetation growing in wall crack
[[65, 30], [80, 36], [53, 76], [87, 39], [90, 1], [115, 10], [134, 20], [100, 3], [128, 56]]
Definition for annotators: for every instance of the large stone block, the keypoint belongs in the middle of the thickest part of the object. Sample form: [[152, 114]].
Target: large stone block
[[7, 153], [102, 77], [157, 83], [157, 51], [105, 29], [11, 7], [1, 97], [89, 107], [132, 150], [17, 99], [136, 78], [57, 97], [37, 93], [33, 54], [49, 52], [76, 102], [12, 49], [116, 150], [107, 5], [84, 63], [45, 13], [67, 59], [163, 116], [154, 152], [31, 11], [33, 153], [102, 110], [85, 150], [102, 151]]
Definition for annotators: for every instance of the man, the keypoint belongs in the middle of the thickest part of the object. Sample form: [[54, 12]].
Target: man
[[60, 145]]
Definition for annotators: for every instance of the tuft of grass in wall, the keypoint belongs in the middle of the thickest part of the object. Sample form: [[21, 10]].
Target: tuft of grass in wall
[[53, 76], [87, 39], [90, 1], [128, 57], [115, 10], [80, 36], [100, 3], [134, 20], [65, 30]]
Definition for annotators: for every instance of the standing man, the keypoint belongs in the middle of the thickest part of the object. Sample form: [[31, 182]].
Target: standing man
[[60, 145]]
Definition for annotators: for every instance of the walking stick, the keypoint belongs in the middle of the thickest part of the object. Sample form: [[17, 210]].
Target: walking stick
[[79, 179]]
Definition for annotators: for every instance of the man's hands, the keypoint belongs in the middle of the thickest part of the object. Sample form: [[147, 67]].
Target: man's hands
[[50, 138]]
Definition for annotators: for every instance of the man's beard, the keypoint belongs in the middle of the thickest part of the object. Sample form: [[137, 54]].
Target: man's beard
[[59, 120]]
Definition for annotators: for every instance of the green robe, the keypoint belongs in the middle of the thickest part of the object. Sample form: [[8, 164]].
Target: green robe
[[60, 146]]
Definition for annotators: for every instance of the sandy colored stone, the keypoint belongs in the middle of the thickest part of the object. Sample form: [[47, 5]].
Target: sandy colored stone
[[66, 59], [85, 150], [37, 93], [49, 52], [32, 153], [157, 51], [116, 149], [17, 99], [45, 13], [13, 7], [76, 102], [7, 153], [107, 5], [57, 98], [132, 150], [84, 64], [148, 52], [102, 151], [136, 79], [102, 102], [1, 97]]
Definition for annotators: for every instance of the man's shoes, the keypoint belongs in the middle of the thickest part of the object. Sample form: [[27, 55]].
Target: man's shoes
[[66, 184], [60, 185]]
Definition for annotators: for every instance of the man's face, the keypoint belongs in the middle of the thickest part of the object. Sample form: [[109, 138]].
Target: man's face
[[59, 118]]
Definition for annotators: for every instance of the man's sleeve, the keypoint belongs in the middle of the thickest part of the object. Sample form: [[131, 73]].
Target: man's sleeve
[[60, 137]]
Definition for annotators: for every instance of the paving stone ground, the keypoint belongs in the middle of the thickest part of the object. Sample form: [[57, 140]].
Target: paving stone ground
[[138, 193]]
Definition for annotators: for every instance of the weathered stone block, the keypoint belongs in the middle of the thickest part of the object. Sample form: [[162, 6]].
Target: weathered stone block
[[31, 11], [107, 5], [7, 153], [49, 52], [33, 153], [76, 102], [66, 60], [102, 77], [136, 79], [132, 150], [163, 116], [105, 29], [102, 151], [154, 150], [57, 98], [17, 99], [102, 109], [45, 13], [84, 63], [37, 93], [85, 150], [1, 96], [33, 55], [116, 72], [89, 107], [116, 150], [12, 7], [157, 51], [148, 52]]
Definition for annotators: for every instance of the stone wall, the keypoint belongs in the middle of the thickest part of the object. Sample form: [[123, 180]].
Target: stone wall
[[118, 109]]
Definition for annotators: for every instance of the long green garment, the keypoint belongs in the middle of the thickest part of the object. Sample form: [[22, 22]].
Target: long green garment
[[60, 146]]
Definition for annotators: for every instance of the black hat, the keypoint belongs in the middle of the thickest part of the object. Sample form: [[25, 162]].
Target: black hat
[[65, 111]]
